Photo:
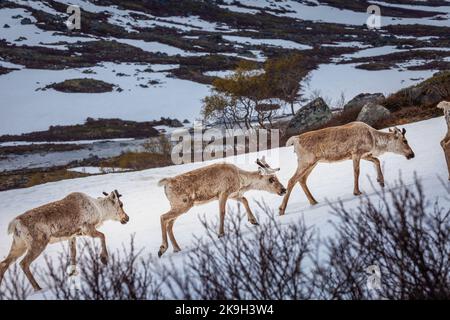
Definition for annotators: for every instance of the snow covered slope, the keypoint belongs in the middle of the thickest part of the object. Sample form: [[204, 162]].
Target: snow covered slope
[[144, 201]]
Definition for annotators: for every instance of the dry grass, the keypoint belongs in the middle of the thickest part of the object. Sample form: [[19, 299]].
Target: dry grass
[[138, 161]]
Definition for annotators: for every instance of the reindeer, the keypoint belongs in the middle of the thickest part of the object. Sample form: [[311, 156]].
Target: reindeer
[[215, 182], [445, 143], [75, 215], [354, 141]]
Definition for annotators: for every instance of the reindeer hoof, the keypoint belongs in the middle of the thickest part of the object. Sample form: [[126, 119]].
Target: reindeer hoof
[[176, 250], [37, 289], [357, 193], [313, 203], [161, 251], [73, 273], [221, 235], [254, 222], [281, 211], [104, 260]]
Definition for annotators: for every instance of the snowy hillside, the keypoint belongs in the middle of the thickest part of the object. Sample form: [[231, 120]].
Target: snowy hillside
[[164, 55], [144, 201]]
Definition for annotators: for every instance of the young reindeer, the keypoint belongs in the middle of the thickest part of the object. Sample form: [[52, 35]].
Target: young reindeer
[[353, 141], [75, 215], [215, 182], [445, 143]]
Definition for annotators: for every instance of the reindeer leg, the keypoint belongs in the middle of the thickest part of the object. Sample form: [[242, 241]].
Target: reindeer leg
[[94, 233], [304, 186], [295, 178], [73, 256], [176, 247], [446, 147], [377, 164], [356, 163], [289, 188], [222, 206], [18, 248], [250, 216], [35, 250], [165, 219]]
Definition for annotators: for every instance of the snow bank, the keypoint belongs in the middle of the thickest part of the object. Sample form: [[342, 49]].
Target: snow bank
[[144, 201]]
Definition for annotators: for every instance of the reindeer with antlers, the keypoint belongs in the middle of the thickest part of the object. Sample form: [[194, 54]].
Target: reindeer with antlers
[[75, 215], [353, 141], [214, 182]]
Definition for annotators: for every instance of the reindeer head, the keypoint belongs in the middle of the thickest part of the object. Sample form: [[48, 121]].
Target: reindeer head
[[398, 143], [268, 180], [444, 105], [116, 207]]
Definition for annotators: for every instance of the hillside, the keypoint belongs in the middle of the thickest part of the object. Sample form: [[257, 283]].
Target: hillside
[[144, 201], [161, 56]]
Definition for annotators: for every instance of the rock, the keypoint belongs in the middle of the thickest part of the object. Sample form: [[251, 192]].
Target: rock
[[358, 102], [310, 116], [372, 112], [6, 25], [25, 21]]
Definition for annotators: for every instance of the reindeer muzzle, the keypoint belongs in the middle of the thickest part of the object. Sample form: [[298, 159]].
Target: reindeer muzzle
[[282, 192], [125, 220], [410, 156]]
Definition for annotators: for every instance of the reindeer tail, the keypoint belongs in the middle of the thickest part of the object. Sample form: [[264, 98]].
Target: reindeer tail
[[12, 226], [163, 182], [291, 141]]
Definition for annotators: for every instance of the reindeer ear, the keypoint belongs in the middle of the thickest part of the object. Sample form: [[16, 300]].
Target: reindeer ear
[[105, 194], [403, 131], [390, 130], [261, 171]]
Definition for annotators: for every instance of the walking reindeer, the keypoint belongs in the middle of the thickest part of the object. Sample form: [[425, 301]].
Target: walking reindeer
[[214, 182], [353, 141], [75, 215]]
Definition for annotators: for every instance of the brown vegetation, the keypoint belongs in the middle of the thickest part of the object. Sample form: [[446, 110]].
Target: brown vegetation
[[138, 161]]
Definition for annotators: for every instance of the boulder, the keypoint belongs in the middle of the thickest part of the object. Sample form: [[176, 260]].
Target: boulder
[[25, 21], [358, 102], [6, 25], [310, 116], [372, 112]]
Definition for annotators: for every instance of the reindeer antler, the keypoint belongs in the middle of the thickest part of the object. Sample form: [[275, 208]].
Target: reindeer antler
[[264, 167]]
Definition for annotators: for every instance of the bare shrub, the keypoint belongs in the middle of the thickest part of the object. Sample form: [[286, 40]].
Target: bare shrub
[[264, 262], [400, 233], [127, 276], [15, 286]]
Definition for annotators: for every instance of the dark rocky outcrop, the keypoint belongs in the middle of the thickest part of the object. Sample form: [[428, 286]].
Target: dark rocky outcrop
[[358, 102], [26, 21], [84, 85], [92, 129], [427, 93], [314, 114]]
